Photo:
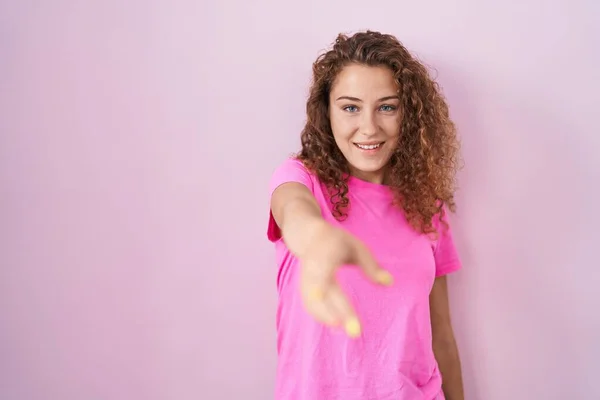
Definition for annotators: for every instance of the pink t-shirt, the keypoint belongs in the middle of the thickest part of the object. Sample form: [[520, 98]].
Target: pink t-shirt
[[393, 358]]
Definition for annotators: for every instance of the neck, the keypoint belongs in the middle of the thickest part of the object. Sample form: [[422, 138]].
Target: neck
[[377, 177]]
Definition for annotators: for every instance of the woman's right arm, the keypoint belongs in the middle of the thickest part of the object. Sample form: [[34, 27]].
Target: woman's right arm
[[321, 249], [296, 212]]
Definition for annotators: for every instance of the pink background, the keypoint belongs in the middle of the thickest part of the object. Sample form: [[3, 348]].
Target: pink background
[[137, 138]]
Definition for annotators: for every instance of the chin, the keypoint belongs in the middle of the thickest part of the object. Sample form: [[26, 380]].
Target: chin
[[369, 166]]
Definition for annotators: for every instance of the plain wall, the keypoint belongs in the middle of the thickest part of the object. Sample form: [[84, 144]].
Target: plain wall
[[136, 142]]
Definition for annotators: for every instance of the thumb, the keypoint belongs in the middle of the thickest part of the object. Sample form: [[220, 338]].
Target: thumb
[[370, 267]]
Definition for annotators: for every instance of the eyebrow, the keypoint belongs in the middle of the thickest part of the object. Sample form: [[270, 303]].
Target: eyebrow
[[359, 100]]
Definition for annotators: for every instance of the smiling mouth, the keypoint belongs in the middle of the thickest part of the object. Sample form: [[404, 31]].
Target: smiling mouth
[[370, 146]]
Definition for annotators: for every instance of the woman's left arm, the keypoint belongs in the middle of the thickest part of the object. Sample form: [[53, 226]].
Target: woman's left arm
[[444, 343]]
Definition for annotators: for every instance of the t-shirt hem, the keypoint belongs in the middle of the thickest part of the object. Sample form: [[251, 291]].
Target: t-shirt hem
[[447, 269]]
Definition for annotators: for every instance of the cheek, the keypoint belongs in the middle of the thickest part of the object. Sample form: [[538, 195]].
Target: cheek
[[342, 139], [342, 129], [392, 129]]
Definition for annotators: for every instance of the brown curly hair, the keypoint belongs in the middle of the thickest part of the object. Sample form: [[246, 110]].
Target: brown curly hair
[[423, 168]]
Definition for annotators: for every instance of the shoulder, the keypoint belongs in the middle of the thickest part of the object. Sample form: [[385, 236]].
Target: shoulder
[[292, 170], [292, 163]]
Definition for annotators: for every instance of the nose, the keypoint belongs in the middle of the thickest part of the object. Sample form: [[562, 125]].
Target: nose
[[368, 124]]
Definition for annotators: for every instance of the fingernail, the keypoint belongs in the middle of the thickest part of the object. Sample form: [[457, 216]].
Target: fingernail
[[352, 327], [315, 293], [384, 277]]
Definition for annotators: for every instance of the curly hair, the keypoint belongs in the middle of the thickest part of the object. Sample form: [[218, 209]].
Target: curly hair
[[423, 168]]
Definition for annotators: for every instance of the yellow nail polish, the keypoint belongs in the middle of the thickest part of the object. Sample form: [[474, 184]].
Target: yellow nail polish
[[316, 293], [352, 327], [385, 278]]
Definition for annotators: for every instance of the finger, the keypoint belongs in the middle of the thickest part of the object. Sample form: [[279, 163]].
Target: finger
[[370, 266], [341, 305], [317, 276], [314, 286], [316, 304], [323, 312]]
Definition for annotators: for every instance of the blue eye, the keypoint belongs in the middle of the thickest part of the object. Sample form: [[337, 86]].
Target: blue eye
[[387, 108], [351, 109]]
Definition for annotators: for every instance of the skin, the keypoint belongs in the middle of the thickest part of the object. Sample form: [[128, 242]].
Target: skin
[[444, 343], [364, 109]]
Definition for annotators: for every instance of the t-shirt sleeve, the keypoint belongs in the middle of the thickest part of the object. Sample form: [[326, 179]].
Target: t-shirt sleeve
[[291, 170], [447, 259]]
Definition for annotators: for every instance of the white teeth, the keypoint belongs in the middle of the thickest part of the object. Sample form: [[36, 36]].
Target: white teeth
[[368, 146]]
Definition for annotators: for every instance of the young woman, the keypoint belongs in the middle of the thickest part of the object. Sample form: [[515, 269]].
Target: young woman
[[362, 239]]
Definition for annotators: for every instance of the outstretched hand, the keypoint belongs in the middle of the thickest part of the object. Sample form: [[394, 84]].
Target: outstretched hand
[[322, 296]]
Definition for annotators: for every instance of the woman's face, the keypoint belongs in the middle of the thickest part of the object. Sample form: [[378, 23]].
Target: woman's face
[[365, 119]]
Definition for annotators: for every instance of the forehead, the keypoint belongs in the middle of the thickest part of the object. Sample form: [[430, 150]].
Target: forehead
[[364, 81]]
